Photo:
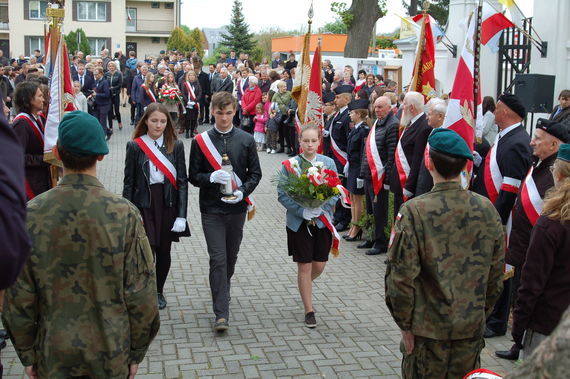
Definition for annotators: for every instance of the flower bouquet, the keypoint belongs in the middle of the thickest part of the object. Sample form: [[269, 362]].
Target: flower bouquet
[[169, 95]]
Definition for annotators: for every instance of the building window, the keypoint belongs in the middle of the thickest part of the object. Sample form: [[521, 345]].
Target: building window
[[131, 19], [155, 4], [97, 44], [155, 40], [35, 43], [37, 9], [168, 5], [91, 11], [4, 16]]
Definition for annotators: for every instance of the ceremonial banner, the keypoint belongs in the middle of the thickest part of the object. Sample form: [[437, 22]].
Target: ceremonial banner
[[300, 90], [423, 77], [62, 98], [314, 105], [492, 26]]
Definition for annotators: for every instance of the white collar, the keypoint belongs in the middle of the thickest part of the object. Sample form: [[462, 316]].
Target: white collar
[[505, 131], [219, 131], [416, 118], [159, 140], [358, 125], [342, 109]]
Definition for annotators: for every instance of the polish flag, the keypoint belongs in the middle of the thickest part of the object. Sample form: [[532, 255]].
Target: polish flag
[[492, 25], [314, 108]]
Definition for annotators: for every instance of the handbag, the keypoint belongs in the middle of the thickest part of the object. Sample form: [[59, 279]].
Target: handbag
[[245, 122]]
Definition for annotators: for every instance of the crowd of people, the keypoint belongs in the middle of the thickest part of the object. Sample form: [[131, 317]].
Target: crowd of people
[[100, 261]]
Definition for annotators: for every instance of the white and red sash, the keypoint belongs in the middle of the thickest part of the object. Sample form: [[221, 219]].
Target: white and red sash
[[374, 161], [149, 93], [240, 84], [157, 158], [36, 125], [340, 155], [531, 201], [191, 94], [402, 164], [215, 159], [293, 168]]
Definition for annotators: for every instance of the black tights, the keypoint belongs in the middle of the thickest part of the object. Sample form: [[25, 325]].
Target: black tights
[[163, 262]]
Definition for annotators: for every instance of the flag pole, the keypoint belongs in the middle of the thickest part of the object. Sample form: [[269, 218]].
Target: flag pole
[[476, 60]]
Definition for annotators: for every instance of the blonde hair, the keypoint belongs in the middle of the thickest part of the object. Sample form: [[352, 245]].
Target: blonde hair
[[557, 199], [309, 126], [363, 113]]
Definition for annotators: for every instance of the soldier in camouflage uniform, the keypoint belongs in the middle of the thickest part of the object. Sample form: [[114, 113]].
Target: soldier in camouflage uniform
[[445, 268], [85, 304]]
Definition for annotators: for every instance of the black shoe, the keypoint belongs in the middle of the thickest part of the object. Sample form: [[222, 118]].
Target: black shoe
[[374, 251], [310, 320], [511, 355], [4, 334], [490, 333], [358, 236], [132, 122], [161, 301], [341, 227], [108, 137], [221, 325], [365, 245]]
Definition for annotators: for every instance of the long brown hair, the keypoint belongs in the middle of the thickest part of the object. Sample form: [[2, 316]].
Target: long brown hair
[[557, 199], [169, 133]]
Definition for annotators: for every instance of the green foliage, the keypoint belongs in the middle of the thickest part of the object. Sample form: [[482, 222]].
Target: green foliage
[[263, 40], [438, 9], [335, 27], [195, 41], [257, 54], [178, 41], [343, 13], [384, 42], [186, 29], [366, 222], [71, 42], [238, 36]]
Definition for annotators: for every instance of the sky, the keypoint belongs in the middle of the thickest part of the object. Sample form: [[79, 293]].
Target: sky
[[286, 15]]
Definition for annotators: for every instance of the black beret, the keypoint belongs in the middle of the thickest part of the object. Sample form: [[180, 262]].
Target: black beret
[[358, 104], [514, 103], [345, 88], [553, 128], [328, 97]]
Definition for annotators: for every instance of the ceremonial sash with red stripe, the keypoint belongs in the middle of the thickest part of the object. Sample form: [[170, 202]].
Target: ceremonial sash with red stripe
[[215, 159], [191, 94], [38, 131], [492, 175], [402, 165], [149, 93], [240, 87], [157, 158], [340, 155], [374, 161], [293, 168], [531, 201]]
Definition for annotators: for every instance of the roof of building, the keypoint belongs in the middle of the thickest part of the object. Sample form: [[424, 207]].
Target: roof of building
[[329, 43]]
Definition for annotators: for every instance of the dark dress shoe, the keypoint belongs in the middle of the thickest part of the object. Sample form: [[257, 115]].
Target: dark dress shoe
[[374, 251], [511, 355], [4, 334], [490, 333], [365, 245], [341, 227], [161, 301]]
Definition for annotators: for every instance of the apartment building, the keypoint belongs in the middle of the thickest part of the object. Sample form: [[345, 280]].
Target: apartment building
[[142, 26]]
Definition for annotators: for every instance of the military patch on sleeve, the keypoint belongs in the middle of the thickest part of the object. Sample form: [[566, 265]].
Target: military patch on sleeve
[[399, 216], [392, 235]]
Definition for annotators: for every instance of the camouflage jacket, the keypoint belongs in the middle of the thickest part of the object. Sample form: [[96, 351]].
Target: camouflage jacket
[[85, 303], [445, 263]]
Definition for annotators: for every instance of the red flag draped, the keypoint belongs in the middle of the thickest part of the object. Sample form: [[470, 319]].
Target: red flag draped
[[423, 79], [314, 108]]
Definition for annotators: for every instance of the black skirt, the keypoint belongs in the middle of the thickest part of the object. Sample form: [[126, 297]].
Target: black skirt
[[158, 219]]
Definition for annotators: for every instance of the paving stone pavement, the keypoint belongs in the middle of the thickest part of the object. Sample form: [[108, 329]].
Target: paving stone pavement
[[355, 337]]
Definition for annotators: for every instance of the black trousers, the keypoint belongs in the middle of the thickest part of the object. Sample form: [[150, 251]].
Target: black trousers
[[282, 133], [114, 110], [133, 111], [398, 201], [377, 205], [342, 215], [204, 110], [499, 318], [191, 120], [291, 138], [101, 112]]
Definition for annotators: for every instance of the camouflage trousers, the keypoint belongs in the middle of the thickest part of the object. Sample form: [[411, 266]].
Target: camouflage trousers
[[435, 359]]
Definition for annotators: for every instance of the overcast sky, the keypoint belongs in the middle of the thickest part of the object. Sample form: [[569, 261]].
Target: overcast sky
[[287, 14]]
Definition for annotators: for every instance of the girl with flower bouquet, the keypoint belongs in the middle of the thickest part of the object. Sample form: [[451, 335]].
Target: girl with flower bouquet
[[169, 94], [308, 187]]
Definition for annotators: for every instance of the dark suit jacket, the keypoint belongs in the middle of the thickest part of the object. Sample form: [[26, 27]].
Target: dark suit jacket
[[204, 81], [88, 84], [339, 132], [563, 117], [413, 141], [220, 84], [386, 140], [355, 144], [103, 92]]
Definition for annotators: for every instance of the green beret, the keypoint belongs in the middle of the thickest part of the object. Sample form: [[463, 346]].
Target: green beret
[[81, 134], [447, 141], [564, 152]]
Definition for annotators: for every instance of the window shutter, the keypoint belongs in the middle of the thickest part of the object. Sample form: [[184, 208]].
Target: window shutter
[[74, 6], [27, 45], [26, 9], [108, 12]]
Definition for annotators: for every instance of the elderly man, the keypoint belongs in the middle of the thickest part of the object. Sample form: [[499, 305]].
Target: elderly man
[[499, 179], [436, 109], [410, 149], [548, 137], [376, 167], [223, 82]]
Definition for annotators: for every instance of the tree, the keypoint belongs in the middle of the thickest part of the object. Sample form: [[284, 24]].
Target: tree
[[238, 36], [71, 42], [438, 9], [178, 40], [359, 19], [264, 39], [195, 41], [335, 27]]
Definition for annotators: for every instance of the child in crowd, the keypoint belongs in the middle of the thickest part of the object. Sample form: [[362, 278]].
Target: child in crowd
[[259, 129], [79, 96], [272, 129]]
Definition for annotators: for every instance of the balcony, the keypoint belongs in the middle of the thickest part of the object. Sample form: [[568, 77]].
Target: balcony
[[149, 27]]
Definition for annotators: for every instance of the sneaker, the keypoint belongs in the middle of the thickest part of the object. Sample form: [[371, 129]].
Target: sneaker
[[268, 151], [161, 301], [273, 151], [221, 325], [310, 320]]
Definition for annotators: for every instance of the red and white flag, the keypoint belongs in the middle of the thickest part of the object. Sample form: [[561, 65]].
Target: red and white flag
[[492, 25], [314, 107]]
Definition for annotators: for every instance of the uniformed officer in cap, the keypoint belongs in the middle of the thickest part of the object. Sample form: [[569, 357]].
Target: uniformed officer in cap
[[329, 112], [85, 303], [445, 268], [338, 130]]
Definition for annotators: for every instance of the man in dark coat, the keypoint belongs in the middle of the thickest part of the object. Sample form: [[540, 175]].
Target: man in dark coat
[[222, 83], [561, 112], [548, 137], [386, 138], [85, 79], [204, 81], [499, 179], [338, 130], [410, 149], [329, 111], [102, 96]]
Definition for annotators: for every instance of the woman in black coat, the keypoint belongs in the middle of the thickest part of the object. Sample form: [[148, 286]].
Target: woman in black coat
[[355, 154], [156, 182], [192, 94], [115, 79]]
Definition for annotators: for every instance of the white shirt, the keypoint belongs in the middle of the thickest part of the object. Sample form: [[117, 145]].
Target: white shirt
[[358, 125], [156, 176], [416, 118], [505, 131], [219, 131]]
